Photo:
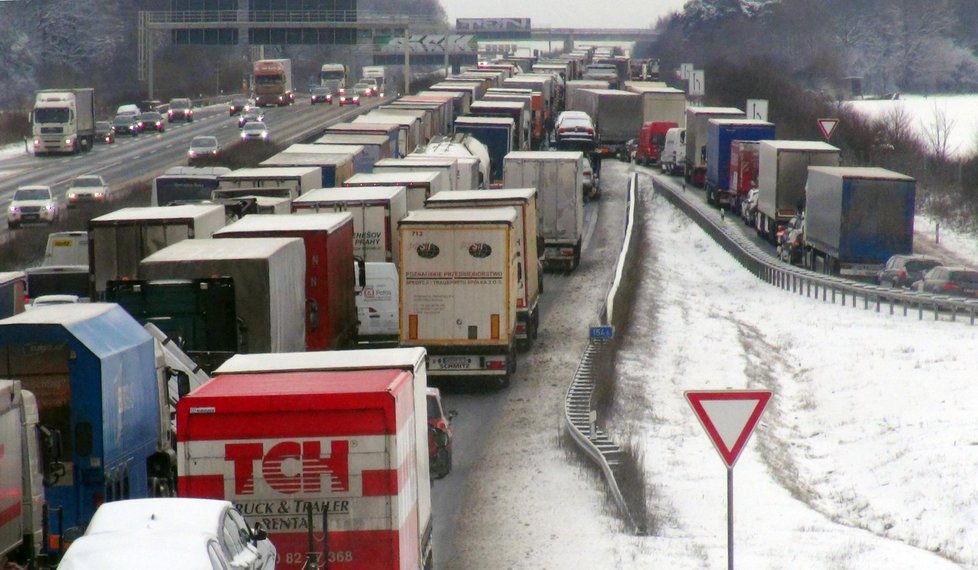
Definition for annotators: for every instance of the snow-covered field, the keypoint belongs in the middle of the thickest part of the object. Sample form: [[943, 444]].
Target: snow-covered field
[[961, 112]]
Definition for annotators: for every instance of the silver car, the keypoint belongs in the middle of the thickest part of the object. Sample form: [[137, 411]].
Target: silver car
[[87, 189]]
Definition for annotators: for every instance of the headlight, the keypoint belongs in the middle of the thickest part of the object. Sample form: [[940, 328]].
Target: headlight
[[72, 195], [14, 209]]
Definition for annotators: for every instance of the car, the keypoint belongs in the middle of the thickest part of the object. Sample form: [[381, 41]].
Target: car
[[35, 203], [439, 435], [949, 280], [87, 188], [150, 105], [238, 105], [128, 109], [321, 95], [748, 207], [631, 147], [151, 121], [170, 533], [125, 125], [349, 97], [181, 109], [255, 131], [789, 240], [365, 88], [203, 148], [60, 299], [590, 180], [573, 128], [902, 271], [251, 115], [104, 133]]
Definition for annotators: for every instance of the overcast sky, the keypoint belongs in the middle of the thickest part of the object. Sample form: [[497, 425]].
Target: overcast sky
[[567, 13]]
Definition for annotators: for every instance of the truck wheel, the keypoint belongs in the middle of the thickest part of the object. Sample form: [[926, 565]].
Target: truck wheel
[[577, 256]]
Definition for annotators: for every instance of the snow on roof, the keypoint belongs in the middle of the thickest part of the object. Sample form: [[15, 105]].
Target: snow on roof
[[406, 176], [351, 138], [350, 194], [325, 148], [482, 196], [742, 122], [368, 359], [239, 248], [147, 550], [256, 223], [503, 214], [307, 159], [180, 514], [467, 120], [544, 155], [800, 145], [714, 110], [186, 211], [865, 172], [266, 173]]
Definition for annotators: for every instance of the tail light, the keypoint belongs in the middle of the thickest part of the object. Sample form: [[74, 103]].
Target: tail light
[[950, 286], [902, 275]]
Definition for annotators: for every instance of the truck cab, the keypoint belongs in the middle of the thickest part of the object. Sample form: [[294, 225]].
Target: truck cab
[[651, 141]]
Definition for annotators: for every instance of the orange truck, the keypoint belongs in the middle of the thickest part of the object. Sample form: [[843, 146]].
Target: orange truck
[[273, 82]]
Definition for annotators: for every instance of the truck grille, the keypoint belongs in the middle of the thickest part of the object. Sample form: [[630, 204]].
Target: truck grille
[[52, 130]]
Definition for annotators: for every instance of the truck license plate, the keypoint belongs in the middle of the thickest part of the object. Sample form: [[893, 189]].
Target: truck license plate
[[453, 362]]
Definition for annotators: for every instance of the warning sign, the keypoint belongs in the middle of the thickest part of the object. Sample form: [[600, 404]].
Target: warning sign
[[729, 417]]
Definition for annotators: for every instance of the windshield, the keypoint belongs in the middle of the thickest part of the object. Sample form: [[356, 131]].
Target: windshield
[[180, 104], [122, 121], [969, 277], [204, 143], [52, 115], [180, 189], [332, 75], [268, 79], [88, 182], [256, 126], [32, 194]]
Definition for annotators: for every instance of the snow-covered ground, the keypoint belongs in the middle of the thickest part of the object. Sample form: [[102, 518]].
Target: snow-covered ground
[[961, 112], [863, 459]]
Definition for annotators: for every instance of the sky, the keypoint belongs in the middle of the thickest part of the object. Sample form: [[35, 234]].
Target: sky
[[567, 13]]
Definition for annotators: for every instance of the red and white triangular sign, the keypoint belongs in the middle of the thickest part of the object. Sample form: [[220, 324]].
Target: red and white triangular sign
[[827, 126], [729, 417]]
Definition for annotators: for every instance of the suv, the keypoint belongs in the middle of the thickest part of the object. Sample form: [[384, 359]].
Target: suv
[[905, 270], [954, 281], [202, 149], [32, 204], [439, 435], [87, 188], [181, 109]]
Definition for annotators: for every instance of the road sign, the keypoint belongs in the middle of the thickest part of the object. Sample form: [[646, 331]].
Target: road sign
[[757, 109], [697, 83], [827, 126], [729, 417], [602, 332], [432, 43], [685, 70]]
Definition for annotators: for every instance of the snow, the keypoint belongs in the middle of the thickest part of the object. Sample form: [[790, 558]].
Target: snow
[[863, 458], [960, 110]]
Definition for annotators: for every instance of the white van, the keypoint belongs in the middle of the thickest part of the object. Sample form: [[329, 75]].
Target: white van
[[66, 248], [377, 304], [673, 154]]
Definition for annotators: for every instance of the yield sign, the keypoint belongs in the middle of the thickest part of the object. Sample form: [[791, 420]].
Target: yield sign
[[827, 126], [729, 417]]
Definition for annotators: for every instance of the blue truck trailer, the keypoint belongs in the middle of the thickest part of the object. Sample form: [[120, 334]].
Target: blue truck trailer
[[856, 218], [720, 133], [93, 370], [496, 133]]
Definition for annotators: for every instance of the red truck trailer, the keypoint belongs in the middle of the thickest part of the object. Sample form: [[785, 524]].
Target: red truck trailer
[[343, 433], [331, 312]]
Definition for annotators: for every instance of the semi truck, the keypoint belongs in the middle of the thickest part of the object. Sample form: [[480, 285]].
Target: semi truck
[[782, 174], [376, 146], [333, 76], [496, 133], [63, 121], [744, 157], [186, 183], [376, 210], [697, 120], [458, 287], [512, 109], [529, 275], [419, 184], [856, 218], [269, 276], [338, 474], [615, 116], [361, 160], [390, 130], [273, 82], [472, 157], [558, 177], [378, 73], [334, 168], [720, 134], [660, 103], [299, 178], [331, 313], [22, 471], [119, 240], [414, 162], [94, 372]]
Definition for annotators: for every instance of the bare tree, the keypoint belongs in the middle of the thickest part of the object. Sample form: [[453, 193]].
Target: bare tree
[[937, 134]]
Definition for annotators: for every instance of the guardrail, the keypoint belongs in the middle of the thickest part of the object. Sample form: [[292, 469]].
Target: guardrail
[[827, 288], [580, 418]]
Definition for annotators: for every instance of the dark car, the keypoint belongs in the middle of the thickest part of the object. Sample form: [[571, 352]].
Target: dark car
[[905, 270], [125, 125], [321, 95], [349, 97], [152, 121], [946, 280], [150, 105], [251, 116], [439, 435], [181, 109], [104, 132], [238, 105]]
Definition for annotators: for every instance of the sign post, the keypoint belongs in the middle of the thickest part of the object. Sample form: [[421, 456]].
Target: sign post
[[728, 417]]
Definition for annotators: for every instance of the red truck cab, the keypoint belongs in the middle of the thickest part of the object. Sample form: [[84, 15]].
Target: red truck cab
[[651, 139]]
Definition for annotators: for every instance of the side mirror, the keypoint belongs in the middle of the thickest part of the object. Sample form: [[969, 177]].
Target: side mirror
[[361, 272], [183, 383], [258, 533]]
